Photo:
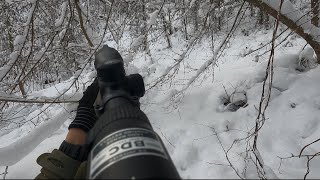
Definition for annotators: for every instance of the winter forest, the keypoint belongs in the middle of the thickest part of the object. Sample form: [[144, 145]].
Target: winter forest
[[231, 85]]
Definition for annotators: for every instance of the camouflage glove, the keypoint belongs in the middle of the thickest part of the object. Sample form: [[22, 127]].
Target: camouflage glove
[[86, 116]]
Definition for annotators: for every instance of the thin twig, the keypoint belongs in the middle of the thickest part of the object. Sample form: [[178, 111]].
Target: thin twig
[[36, 101], [264, 101], [5, 172], [81, 23], [307, 146], [226, 152]]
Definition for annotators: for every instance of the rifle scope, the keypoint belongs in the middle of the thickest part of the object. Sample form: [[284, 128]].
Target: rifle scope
[[124, 144]]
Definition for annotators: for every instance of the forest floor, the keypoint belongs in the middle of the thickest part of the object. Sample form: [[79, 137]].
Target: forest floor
[[198, 128]]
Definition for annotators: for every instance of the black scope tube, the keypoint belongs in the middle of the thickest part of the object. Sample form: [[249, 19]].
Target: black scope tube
[[124, 146]]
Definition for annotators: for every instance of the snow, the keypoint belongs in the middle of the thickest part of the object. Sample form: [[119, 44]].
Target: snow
[[295, 15], [62, 33], [6, 68], [192, 2], [77, 45], [307, 59], [238, 96], [152, 18], [30, 14], [13, 56], [14, 152], [9, 1], [137, 42], [307, 53], [63, 14], [192, 127], [19, 40], [32, 1]]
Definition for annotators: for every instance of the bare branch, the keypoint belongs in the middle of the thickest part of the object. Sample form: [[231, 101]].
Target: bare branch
[[81, 23], [36, 101], [288, 22], [307, 146]]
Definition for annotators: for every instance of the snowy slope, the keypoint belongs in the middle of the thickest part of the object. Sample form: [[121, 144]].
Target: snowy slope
[[196, 128]]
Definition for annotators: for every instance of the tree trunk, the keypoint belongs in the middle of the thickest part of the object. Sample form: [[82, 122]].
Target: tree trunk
[[166, 31], [169, 23], [290, 23], [195, 16], [11, 46], [315, 12], [266, 21], [185, 21], [144, 29], [21, 87], [252, 11], [260, 18], [219, 4]]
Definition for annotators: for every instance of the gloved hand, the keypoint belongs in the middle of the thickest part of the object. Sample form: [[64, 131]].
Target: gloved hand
[[86, 116]]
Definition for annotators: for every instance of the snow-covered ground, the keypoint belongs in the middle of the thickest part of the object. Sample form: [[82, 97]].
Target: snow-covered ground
[[197, 128]]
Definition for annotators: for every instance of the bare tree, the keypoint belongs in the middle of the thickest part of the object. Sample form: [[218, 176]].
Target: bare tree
[[296, 26], [315, 12]]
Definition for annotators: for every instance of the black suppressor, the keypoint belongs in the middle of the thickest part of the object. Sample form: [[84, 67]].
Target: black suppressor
[[124, 145]]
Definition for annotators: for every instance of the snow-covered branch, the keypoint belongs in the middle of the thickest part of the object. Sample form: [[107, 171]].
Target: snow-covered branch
[[18, 43], [292, 18], [13, 153], [35, 101], [214, 58]]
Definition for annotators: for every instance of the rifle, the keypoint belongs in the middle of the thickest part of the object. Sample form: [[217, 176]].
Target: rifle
[[123, 143]]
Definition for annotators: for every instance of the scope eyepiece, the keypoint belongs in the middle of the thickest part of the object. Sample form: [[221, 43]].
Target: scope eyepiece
[[109, 65], [107, 56], [110, 70]]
